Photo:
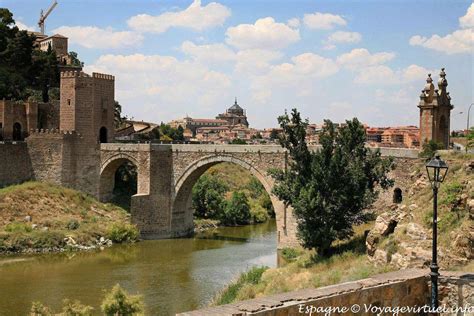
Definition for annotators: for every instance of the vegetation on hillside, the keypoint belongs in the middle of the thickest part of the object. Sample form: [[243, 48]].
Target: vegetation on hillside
[[44, 217], [230, 194], [115, 303], [305, 269], [331, 188]]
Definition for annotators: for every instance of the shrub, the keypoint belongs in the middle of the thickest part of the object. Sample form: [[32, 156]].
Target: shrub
[[75, 308], [120, 303], [258, 213], [430, 148], [47, 239], [73, 224], [290, 254], [38, 309], [120, 233], [18, 227]]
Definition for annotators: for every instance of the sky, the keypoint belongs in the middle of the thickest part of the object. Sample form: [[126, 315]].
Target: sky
[[334, 59]]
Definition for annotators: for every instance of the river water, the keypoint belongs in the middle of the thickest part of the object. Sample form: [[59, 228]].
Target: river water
[[172, 275]]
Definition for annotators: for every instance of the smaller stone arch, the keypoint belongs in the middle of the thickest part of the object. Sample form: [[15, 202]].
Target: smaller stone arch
[[107, 174], [181, 214], [397, 195], [17, 132]]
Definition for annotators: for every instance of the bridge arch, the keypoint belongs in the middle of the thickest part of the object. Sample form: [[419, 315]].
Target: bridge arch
[[107, 174], [182, 211]]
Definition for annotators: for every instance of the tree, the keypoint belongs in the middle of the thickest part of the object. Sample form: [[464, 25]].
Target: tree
[[238, 141], [237, 210], [429, 149], [208, 196], [75, 60], [330, 188], [470, 139], [274, 134]]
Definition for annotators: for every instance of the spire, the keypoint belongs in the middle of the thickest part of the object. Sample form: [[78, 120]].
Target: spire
[[442, 82], [235, 100]]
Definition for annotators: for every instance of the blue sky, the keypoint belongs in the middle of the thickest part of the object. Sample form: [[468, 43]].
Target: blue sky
[[330, 59]]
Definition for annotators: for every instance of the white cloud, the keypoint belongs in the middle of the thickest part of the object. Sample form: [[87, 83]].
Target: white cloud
[[361, 58], [458, 42], [344, 37], [25, 27], [294, 23], [94, 37], [195, 17], [162, 87], [255, 61], [323, 21], [209, 53], [264, 34], [467, 21], [384, 75]]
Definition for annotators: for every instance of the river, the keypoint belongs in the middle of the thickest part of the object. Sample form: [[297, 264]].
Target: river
[[173, 275]]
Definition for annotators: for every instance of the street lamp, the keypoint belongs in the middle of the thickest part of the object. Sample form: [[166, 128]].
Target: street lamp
[[437, 170]]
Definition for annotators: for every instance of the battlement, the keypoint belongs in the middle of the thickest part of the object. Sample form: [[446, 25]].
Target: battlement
[[52, 131], [103, 76], [74, 74]]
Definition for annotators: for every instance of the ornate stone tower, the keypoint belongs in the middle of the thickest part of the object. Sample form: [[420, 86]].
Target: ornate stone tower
[[435, 111], [87, 105]]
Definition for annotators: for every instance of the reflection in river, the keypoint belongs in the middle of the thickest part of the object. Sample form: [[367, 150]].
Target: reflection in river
[[172, 275]]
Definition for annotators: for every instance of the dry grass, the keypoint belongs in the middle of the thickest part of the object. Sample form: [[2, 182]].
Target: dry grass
[[56, 212]]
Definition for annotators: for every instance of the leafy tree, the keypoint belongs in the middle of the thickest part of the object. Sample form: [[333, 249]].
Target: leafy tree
[[470, 139], [120, 303], [176, 134], [238, 141], [429, 149], [21, 65], [76, 308], [330, 188], [75, 60], [237, 210], [208, 196], [274, 134]]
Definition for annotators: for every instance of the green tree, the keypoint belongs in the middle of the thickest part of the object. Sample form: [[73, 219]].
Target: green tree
[[238, 141], [208, 196], [120, 303], [330, 188], [470, 139], [176, 134], [429, 149], [236, 210], [274, 134], [75, 60]]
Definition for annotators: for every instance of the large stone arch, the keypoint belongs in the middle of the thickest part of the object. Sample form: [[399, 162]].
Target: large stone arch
[[107, 174], [181, 210]]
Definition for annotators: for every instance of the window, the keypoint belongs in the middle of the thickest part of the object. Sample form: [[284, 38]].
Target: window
[[68, 101]]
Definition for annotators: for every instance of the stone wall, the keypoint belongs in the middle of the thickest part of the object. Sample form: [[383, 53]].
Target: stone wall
[[410, 288], [15, 163]]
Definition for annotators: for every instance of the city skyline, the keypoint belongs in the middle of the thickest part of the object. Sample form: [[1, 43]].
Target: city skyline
[[329, 60]]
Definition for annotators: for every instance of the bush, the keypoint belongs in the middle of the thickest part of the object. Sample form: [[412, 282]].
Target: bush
[[73, 224], [290, 254], [258, 213], [229, 294], [120, 303], [208, 196], [75, 308], [430, 148], [120, 233], [237, 210], [18, 228], [38, 309]]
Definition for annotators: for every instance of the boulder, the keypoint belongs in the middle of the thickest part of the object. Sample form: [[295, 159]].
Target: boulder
[[416, 232]]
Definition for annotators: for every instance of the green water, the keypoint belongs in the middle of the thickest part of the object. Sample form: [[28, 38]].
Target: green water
[[172, 275]]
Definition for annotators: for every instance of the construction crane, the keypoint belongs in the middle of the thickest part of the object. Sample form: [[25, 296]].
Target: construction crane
[[44, 16]]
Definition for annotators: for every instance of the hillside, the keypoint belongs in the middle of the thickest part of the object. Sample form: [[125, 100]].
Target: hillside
[[400, 237], [41, 217]]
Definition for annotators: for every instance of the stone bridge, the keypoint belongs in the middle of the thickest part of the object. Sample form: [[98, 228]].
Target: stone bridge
[[167, 173]]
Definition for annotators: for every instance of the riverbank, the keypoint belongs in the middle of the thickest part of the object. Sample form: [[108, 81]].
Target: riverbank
[[42, 218]]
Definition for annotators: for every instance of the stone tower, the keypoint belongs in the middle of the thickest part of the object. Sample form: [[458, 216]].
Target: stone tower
[[87, 105], [435, 111]]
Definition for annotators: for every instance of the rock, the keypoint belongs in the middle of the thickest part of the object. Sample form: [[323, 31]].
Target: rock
[[385, 224], [379, 257], [34, 226], [412, 207], [415, 231], [45, 229], [28, 218], [102, 240]]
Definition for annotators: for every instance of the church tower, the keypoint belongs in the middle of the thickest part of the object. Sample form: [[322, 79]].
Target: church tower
[[435, 111]]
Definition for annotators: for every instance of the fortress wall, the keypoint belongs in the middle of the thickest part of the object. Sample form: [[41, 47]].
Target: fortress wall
[[15, 164]]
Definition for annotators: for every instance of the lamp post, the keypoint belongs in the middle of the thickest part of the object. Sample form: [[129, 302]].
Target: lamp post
[[437, 170], [467, 127]]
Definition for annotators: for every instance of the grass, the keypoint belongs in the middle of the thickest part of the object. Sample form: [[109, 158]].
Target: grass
[[38, 216]]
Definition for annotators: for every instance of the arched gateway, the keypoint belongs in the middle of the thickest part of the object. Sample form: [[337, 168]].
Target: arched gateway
[[162, 207]]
